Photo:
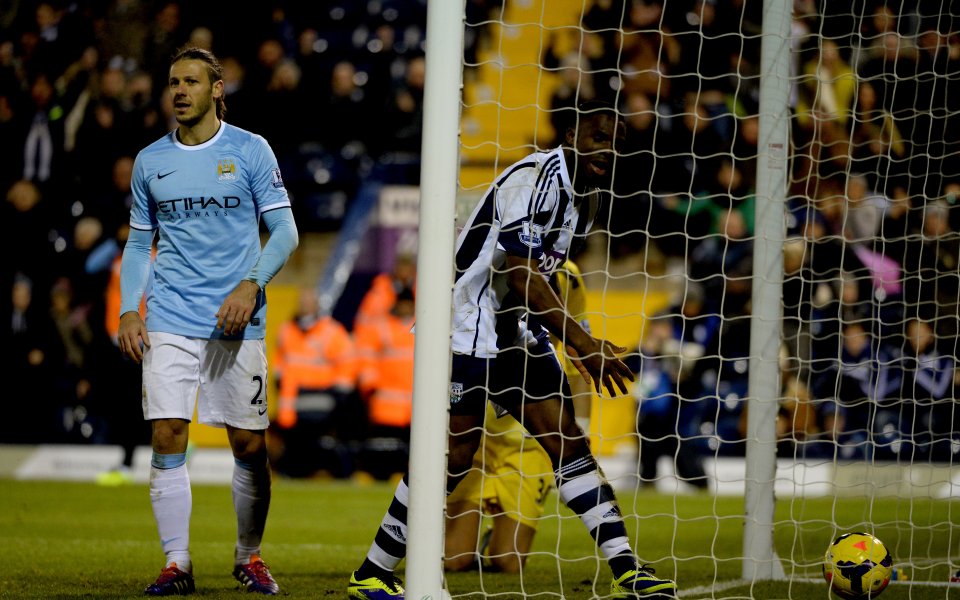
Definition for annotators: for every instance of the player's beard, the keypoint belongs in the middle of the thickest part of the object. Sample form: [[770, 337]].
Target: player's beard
[[200, 107]]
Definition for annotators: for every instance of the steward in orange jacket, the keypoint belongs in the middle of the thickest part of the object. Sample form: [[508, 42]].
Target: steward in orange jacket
[[385, 350], [313, 355], [382, 295]]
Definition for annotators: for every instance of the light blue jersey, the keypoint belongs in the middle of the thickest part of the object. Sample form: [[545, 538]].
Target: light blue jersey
[[206, 201]]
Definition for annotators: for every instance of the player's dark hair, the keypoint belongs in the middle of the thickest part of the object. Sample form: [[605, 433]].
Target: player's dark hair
[[596, 108], [214, 70]]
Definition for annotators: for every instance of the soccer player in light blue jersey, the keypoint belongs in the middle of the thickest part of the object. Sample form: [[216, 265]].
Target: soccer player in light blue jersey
[[202, 190]]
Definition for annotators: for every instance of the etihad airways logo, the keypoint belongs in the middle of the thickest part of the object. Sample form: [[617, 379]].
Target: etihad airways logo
[[201, 206]]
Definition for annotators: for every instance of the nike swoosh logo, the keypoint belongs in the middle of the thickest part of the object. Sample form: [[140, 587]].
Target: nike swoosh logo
[[162, 175], [260, 412]]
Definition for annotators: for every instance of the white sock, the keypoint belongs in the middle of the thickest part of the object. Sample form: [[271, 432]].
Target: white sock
[[251, 500], [172, 502]]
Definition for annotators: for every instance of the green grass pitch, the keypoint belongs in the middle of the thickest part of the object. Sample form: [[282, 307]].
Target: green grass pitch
[[63, 540]]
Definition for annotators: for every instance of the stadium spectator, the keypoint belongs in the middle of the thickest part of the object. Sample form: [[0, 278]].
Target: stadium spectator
[[75, 341], [668, 410], [217, 359], [60, 36], [28, 226], [13, 130], [723, 262], [797, 298], [404, 111], [576, 86], [930, 270], [650, 53], [826, 104], [315, 366], [938, 61], [237, 94], [111, 203], [43, 149], [348, 108], [631, 221], [877, 147], [124, 418], [500, 356], [707, 45], [382, 295], [164, 36], [37, 361], [284, 124], [928, 413], [807, 426], [865, 210], [105, 134], [385, 352], [850, 381]]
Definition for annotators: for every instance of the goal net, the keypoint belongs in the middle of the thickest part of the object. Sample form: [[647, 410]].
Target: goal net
[[854, 424]]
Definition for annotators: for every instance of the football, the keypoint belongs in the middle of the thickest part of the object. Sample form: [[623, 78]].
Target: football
[[857, 565]]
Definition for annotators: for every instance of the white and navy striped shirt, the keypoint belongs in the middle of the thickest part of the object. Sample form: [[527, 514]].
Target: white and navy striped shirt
[[529, 211]]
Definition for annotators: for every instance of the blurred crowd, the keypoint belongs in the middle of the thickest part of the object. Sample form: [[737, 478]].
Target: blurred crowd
[[871, 276], [871, 282], [335, 87]]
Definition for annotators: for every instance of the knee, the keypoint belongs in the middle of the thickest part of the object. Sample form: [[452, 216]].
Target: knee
[[510, 562], [249, 446], [461, 562], [170, 436]]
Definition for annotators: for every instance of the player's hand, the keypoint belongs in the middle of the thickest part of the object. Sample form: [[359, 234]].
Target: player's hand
[[131, 334], [605, 367], [236, 310], [574, 357]]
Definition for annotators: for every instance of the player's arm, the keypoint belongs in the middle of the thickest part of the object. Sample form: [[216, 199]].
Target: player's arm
[[598, 357], [237, 308], [134, 277]]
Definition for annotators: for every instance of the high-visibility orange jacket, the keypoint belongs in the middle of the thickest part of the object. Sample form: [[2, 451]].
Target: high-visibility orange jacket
[[111, 320], [320, 358], [385, 350], [378, 301]]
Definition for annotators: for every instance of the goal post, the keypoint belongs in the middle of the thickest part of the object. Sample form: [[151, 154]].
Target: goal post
[[760, 558], [438, 192]]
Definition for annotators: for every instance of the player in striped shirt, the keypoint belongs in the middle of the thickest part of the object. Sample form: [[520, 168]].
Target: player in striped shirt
[[203, 189], [504, 309]]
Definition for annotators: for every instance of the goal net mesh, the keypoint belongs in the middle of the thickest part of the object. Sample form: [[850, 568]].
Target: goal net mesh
[[867, 426]]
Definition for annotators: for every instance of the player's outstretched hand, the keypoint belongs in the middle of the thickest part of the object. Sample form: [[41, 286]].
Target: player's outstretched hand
[[236, 310], [131, 333], [605, 367]]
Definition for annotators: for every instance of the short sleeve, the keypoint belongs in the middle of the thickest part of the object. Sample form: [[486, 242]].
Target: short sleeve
[[266, 182], [524, 210], [143, 215]]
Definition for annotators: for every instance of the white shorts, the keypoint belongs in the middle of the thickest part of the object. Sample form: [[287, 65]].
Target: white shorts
[[228, 378]]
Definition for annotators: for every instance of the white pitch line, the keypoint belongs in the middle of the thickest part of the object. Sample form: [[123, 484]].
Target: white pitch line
[[720, 587]]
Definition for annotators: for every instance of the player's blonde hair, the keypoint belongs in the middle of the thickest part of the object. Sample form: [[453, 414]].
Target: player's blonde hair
[[214, 70]]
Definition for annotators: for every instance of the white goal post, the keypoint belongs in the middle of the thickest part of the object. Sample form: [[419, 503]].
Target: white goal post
[[760, 558], [431, 378]]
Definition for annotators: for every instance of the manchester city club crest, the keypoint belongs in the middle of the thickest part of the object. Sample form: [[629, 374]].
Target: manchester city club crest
[[226, 170]]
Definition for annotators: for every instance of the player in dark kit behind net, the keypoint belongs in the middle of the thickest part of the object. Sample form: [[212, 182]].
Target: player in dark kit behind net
[[504, 310]]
